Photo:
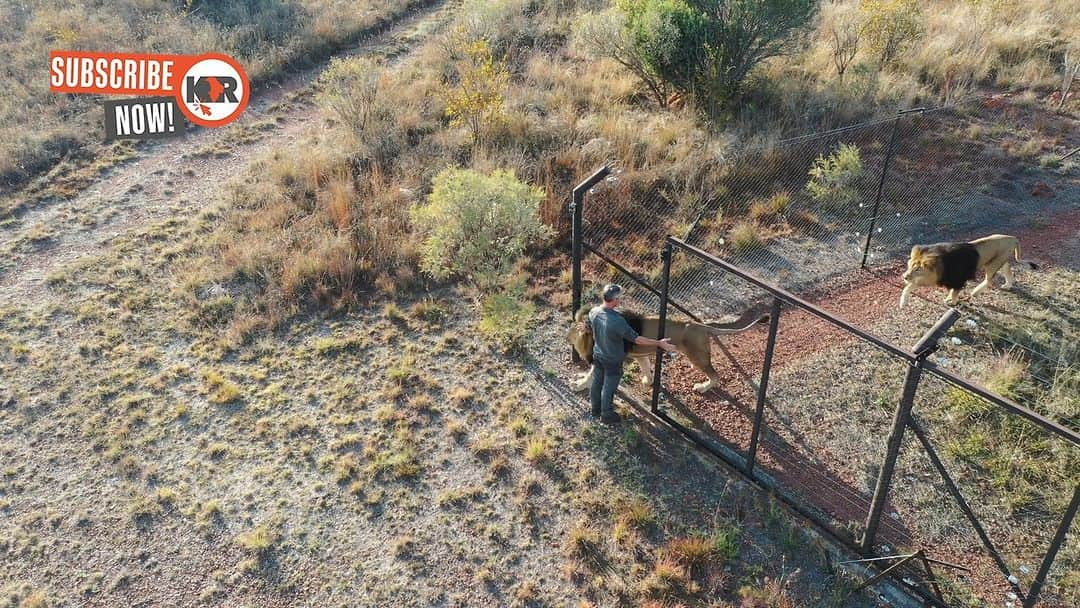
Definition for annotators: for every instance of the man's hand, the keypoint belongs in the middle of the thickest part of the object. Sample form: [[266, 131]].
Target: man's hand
[[583, 327], [667, 345]]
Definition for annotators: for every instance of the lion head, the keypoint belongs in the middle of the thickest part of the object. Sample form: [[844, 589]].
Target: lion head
[[923, 267], [581, 341]]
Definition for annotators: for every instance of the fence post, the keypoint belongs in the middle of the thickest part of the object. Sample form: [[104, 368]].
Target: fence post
[[763, 386], [923, 349], [1051, 554], [577, 208], [881, 187], [665, 256]]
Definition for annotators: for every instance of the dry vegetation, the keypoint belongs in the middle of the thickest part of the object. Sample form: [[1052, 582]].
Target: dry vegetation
[[266, 36], [385, 457]]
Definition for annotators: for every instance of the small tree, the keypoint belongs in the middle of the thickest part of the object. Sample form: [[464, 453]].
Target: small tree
[[707, 48], [1070, 67], [353, 92], [845, 44], [834, 179], [476, 99], [605, 34], [476, 225], [349, 91], [890, 26]]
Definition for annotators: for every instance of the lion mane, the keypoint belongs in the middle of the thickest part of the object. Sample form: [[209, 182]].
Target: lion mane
[[952, 265]]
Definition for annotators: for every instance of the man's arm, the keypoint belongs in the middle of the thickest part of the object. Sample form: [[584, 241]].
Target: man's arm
[[630, 334], [664, 344]]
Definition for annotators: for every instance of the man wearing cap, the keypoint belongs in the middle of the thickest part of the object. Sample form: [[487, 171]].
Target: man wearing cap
[[609, 330]]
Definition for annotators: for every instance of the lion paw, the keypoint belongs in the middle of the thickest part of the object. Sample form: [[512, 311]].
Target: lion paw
[[580, 385], [703, 387]]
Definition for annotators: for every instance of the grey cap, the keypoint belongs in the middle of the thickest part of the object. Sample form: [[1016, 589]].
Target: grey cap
[[611, 291]]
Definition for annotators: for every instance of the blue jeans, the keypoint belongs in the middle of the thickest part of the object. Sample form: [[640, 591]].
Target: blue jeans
[[605, 379]]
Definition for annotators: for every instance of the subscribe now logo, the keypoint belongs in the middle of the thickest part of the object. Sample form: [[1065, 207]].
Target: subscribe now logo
[[209, 90]]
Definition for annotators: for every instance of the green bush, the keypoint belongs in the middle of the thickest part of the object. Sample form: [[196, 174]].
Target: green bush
[[475, 226], [706, 48], [834, 179], [606, 34], [890, 26]]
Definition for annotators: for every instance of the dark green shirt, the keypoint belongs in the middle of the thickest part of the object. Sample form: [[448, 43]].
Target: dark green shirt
[[609, 330]]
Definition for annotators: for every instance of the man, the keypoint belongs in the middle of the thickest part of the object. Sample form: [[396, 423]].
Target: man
[[609, 330]]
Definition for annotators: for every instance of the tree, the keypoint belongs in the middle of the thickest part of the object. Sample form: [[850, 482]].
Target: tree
[[605, 34], [1070, 67], [845, 44], [890, 26], [476, 226], [476, 100], [707, 48]]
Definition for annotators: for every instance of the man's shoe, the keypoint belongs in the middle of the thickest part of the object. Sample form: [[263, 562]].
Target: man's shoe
[[610, 418], [594, 413]]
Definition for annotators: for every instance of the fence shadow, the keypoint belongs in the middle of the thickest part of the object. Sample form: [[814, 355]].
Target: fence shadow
[[794, 467]]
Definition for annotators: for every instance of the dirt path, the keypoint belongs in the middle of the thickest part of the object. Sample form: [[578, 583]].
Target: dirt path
[[178, 177]]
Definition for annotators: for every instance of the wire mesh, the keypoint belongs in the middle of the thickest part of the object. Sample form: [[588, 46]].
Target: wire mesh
[[829, 448], [1016, 478]]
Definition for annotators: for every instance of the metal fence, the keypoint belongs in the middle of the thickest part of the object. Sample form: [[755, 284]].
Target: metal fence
[[879, 477]]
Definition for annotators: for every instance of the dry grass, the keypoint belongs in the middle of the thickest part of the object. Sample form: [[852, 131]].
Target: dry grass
[[964, 45], [266, 36], [745, 237]]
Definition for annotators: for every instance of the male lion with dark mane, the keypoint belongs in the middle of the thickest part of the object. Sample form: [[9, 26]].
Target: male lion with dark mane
[[692, 339], [952, 265]]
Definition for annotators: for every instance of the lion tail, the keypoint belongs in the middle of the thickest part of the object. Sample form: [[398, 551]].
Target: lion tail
[[1016, 254], [719, 329]]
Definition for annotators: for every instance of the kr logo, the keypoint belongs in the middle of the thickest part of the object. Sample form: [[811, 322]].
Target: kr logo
[[214, 90]]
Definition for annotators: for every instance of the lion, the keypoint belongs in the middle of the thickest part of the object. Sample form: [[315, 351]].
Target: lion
[[691, 339], [952, 265]]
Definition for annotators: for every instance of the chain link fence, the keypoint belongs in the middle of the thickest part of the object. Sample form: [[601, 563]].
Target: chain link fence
[[823, 219]]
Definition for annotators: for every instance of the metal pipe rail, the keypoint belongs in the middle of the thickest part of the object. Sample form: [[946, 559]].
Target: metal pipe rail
[[794, 300]]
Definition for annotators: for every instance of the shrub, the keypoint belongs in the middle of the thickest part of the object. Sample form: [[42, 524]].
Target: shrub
[[890, 26], [606, 34], [476, 225], [745, 237], [505, 319], [352, 93], [834, 178], [476, 99], [708, 51], [844, 41]]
